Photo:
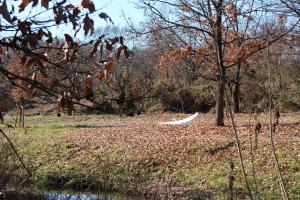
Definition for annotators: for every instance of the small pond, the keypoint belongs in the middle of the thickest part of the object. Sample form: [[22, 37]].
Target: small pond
[[87, 196], [62, 195]]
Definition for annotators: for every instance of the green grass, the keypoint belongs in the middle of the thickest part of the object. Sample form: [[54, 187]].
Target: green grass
[[47, 129]]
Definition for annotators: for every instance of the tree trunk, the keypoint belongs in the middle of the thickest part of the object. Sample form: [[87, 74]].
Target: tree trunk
[[220, 102]]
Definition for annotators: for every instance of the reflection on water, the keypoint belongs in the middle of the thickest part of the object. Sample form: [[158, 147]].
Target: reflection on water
[[85, 196]]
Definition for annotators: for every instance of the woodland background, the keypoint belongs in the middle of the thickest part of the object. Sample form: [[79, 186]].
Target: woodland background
[[170, 69]]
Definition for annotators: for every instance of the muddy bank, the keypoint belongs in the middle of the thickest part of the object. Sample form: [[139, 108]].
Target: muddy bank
[[13, 194]]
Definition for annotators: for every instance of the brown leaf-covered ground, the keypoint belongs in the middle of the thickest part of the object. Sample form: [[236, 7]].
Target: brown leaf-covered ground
[[138, 155]]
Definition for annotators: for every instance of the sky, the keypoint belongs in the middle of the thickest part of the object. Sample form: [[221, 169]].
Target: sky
[[116, 8]]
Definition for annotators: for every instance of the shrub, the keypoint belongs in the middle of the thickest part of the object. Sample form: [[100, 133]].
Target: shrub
[[188, 98], [289, 100]]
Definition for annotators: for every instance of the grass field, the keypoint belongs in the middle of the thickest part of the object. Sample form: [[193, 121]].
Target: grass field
[[137, 155]]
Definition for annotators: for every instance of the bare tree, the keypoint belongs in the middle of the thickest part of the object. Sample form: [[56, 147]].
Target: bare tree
[[224, 35], [293, 5]]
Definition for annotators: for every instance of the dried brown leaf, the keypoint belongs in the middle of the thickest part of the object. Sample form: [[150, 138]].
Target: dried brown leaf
[[40, 34], [95, 48], [122, 40], [45, 3], [68, 38], [119, 52], [126, 52], [4, 12], [24, 27], [50, 38], [110, 66], [23, 5], [114, 40], [88, 25], [104, 16], [109, 46], [69, 6], [91, 7], [76, 11], [35, 3]]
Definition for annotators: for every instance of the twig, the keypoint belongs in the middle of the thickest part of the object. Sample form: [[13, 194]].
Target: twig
[[231, 181], [277, 167], [257, 130], [253, 166], [239, 148], [16, 152]]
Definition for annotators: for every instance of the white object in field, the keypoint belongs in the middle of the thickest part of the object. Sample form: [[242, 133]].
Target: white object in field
[[182, 122]]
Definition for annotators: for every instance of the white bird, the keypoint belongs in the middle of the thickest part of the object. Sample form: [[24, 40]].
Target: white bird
[[182, 122]]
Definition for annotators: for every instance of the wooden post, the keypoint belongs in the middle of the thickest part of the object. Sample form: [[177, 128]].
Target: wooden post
[[20, 115], [23, 117], [16, 121]]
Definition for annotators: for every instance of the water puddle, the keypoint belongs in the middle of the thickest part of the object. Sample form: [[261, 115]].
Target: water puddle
[[86, 196]]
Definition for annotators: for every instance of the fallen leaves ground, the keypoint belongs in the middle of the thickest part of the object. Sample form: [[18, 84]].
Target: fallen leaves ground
[[138, 155]]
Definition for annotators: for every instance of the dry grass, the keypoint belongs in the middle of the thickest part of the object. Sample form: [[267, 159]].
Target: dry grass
[[161, 161]]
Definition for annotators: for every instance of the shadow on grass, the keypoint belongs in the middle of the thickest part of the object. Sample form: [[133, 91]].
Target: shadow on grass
[[216, 193], [69, 126], [96, 126], [215, 150], [290, 124]]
